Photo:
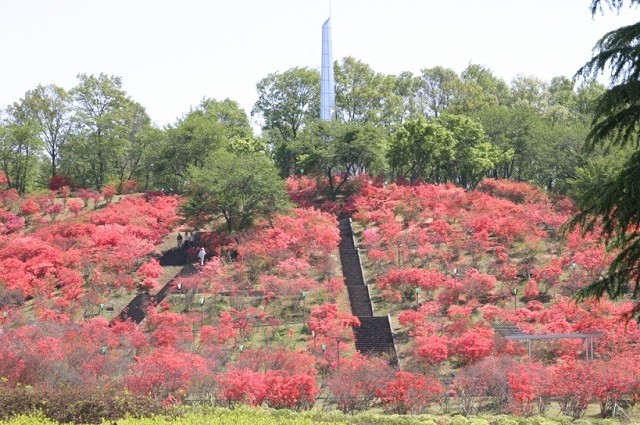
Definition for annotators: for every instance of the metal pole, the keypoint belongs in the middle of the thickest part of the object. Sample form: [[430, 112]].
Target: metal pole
[[585, 342], [202, 309]]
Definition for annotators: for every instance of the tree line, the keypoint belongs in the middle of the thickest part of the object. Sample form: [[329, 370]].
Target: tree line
[[436, 126]]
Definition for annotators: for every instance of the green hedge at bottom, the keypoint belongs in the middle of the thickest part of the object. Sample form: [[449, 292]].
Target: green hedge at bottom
[[77, 405], [262, 416]]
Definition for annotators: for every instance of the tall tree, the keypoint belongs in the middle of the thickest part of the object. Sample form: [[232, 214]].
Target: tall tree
[[530, 91], [614, 204], [360, 91], [211, 126], [101, 107], [405, 90], [480, 89], [421, 149], [19, 150], [286, 102], [514, 129], [337, 151], [137, 143], [237, 189], [475, 155], [438, 88], [50, 107]]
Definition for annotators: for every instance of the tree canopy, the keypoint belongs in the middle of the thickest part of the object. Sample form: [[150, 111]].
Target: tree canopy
[[613, 205], [237, 189]]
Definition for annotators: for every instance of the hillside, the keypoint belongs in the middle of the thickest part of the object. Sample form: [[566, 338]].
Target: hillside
[[460, 270], [267, 320]]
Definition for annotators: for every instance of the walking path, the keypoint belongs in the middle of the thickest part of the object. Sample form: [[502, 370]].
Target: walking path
[[136, 310], [373, 336]]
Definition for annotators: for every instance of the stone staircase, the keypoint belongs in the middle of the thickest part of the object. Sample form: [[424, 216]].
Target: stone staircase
[[136, 310], [374, 336], [360, 300]]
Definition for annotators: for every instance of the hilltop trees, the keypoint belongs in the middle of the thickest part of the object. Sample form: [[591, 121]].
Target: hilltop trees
[[420, 148], [19, 145], [287, 102], [108, 125], [49, 107], [526, 130], [95, 134], [212, 126], [335, 152]]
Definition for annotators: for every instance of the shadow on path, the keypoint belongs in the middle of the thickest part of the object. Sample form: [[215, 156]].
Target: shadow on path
[[136, 310]]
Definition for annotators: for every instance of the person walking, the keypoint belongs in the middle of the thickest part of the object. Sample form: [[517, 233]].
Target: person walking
[[179, 239], [201, 254]]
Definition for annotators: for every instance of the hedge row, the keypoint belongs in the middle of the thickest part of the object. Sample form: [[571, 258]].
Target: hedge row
[[262, 416], [78, 405]]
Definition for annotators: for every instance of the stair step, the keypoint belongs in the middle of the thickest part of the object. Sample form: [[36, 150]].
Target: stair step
[[136, 310], [359, 300], [374, 335]]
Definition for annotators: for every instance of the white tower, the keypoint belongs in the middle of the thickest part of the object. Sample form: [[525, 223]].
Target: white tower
[[327, 83]]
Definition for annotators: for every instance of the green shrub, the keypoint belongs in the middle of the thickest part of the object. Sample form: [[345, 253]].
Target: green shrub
[[459, 420], [478, 421], [80, 405]]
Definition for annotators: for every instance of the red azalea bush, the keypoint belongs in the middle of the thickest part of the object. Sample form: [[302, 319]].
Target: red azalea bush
[[59, 181]]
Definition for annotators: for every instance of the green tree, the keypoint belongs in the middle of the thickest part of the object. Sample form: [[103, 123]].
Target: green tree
[[475, 155], [50, 108], [138, 143], [516, 129], [212, 126], [421, 149], [361, 92], [237, 189], [287, 101], [588, 92], [405, 105], [613, 205], [19, 150], [102, 112], [337, 151], [530, 91], [145, 155], [479, 89], [437, 90]]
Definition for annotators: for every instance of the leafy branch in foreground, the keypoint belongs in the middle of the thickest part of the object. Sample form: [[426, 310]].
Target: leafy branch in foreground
[[613, 205]]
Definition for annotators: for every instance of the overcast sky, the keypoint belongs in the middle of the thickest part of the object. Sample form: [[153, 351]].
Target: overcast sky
[[173, 53]]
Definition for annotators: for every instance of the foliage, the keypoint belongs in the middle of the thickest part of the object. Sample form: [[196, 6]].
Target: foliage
[[167, 372], [238, 189], [212, 126], [336, 152], [109, 126], [287, 102], [360, 91], [77, 405], [409, 393], [58, 181], [420, 149], [50, 108], [615, 123], [355, 385]]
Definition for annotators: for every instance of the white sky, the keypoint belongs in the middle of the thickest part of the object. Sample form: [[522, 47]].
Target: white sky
[[173, 53]]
